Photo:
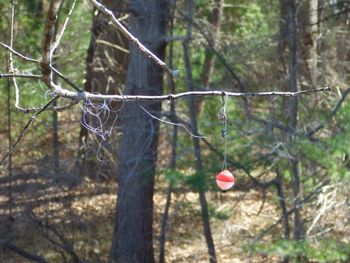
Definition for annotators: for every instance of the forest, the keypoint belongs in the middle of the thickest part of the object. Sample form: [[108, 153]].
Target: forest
[[174, 131]]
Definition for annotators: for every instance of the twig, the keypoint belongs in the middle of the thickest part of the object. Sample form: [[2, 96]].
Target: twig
[[10, 246], [46, 42], [133, 39], [170, 123], [26, 127], [57, 42], [11, 67], [333, 113], [289, 212], [18, 54], [67, 80], [19, 75]]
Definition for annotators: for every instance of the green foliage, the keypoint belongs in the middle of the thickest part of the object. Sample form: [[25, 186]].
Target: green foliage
[[174, 177], [219, 214], [325, 251], [198, 181], [251, 21]]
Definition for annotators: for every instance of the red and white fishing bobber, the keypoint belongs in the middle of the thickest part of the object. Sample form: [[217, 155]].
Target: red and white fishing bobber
[[225, 180]]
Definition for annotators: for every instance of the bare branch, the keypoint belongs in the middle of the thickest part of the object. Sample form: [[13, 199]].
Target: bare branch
[[67, 80], [19, 75], [133, 39], [10, 246], [18, 54], [170, 123], [301, 204], [11, 67], [333, 113], [96, 97], [46, 42], [26, 127], [57, 42]]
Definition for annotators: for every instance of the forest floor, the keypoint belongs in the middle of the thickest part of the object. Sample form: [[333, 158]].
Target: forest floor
[[45, 217]]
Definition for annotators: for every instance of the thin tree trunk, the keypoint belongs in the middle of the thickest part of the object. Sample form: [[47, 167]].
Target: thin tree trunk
[[283, 205], [55, 139], [172, 166], [309, 20], [215, 22], [9, 138], [209, 59], [55, 142], [293, 117], [283, 32], [196, 144], [132, 237]]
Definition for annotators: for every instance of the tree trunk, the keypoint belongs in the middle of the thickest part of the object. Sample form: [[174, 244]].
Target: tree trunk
[[55, 137], [172, 166], [208, 65], [215, 22], [196, 144], [293, 117], [132, 240], [309, 30], [283, 205], [9, 138]]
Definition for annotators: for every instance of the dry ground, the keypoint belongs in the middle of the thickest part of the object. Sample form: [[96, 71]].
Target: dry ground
[[84, 214]]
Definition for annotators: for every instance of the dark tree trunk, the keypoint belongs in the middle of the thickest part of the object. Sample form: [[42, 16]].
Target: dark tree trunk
[[9, 137], [293, 117], [132, 240]]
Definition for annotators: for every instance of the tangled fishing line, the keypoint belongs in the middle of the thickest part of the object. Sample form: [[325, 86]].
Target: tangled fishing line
[[99, 118]]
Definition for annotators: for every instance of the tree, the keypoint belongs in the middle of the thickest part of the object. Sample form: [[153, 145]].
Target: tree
[[132, 239]]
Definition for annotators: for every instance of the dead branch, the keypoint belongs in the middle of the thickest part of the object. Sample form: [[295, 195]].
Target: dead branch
[[46, 42], [98, 97], [25, 254], [26, 127], [19, 75], [133, 39]]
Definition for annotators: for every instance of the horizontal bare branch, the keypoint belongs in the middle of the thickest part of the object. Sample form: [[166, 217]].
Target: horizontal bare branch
[[19, 75], [96, 97]]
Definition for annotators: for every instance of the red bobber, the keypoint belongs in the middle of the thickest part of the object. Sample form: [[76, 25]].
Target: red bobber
[[225, 180]]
